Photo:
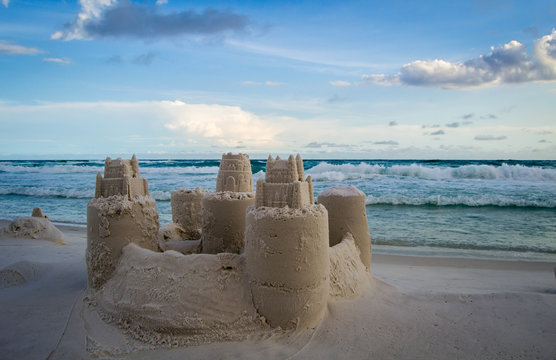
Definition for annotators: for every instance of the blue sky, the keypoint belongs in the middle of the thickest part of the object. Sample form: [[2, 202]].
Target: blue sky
[[326, 79]]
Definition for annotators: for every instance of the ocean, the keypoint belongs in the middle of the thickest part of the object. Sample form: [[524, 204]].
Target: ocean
[[494, 209]]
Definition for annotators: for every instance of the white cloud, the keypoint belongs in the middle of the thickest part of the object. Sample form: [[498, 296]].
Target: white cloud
[[6, 3], [340, 83], [91, 10], [227, 125], [161, 2], [10, 49], [264, 83], [63, 61], [509, 63]]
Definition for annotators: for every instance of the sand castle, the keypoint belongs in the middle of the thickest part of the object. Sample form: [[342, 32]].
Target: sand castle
[[288, 254], [121, 213]]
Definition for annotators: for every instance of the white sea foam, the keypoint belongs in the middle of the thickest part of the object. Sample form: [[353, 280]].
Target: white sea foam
[[48, 192], [478, 200], [179, 170], [50, 169], [332, 172]]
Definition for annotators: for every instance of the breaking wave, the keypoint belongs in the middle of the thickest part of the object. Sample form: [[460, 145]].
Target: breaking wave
[[338, 172], [461, 200]]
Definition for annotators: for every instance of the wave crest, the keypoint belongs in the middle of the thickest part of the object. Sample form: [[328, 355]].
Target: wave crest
[[331, 172], [460, 200]]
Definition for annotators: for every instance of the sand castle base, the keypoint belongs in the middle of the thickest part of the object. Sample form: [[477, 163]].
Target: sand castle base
[[112, 223], [288, 264], [224, 221], [346, 213]]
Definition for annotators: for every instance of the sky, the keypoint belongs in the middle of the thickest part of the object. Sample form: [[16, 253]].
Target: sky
[[326, 79]]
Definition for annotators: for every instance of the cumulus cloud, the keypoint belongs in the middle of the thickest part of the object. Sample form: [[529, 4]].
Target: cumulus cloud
[[489, 137], [467, 116], [11, 49], [61, 61], [227, 125], [453, 125], [508, 63], [439, 132], [110, 18]]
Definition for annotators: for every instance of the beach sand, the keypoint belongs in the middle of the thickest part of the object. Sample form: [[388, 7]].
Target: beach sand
[[411, 308]]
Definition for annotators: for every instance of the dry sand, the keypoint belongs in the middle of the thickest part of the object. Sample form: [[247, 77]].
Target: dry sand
[[412, 308]]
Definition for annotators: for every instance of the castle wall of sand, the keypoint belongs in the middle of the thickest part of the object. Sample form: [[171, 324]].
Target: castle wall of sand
[[187, 211], [348, 274], [224, 221], [346, 213], [203, 296], [288, 264], [113, 223]]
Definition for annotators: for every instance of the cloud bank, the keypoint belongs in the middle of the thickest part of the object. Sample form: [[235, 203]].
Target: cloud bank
[[507, 64], [110, 18], [226, 125]]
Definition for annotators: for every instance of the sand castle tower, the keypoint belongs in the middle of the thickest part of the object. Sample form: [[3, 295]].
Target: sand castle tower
[[284, 184], [286, 246], [234, 174], [187, 211], [223, 219], [121, 212], [346, 213]]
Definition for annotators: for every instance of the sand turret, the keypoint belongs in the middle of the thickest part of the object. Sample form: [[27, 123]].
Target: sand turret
[[122, 212], [121, 177], [234, 173], [284, 184], [347, 214], [187, 211], [223, 219], [286, 246]]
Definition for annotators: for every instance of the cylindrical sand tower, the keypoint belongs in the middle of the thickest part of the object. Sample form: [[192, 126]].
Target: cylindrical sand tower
[[223, 221], [346, 213], [234, 173], [112, 223], [187, 211], [288, 264]]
